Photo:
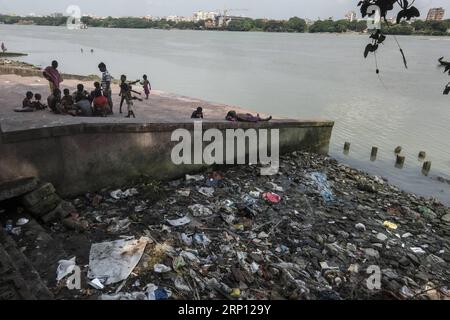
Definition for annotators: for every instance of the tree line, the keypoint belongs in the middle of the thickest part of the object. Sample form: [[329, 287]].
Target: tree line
[[294, 24]]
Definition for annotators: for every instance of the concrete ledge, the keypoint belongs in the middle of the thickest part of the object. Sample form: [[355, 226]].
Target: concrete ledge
[[90, 156]]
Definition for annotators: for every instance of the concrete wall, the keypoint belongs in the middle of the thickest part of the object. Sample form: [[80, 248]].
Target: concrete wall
[[87, 157]]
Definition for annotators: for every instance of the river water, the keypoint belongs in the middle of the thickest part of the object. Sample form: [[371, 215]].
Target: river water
[[292, 75]]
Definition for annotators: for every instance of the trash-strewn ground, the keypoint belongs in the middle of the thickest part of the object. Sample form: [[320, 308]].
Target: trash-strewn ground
[[317, 230]]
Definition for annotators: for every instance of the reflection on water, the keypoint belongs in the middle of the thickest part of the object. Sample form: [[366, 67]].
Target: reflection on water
[[294, 75]]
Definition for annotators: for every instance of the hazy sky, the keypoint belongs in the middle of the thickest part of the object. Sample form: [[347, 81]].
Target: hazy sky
[[255, 8]]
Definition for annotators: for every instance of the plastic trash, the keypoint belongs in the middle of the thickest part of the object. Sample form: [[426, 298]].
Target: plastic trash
[[323, 186], [199, 210], [125, 296], [8, 226], [254, 267], [179, 222], [114, 261], [271, 197], [276, 187], [390, 225], [22, 221], [119, 194], [178, 263], [215, 179], [181, 285], [156, 293], [249, 200], [65, 268], [118, 226], [96, 284], [208, 192], [235, 293], [417, 250], [194, 177], [16, 231], [186, 239], [190, 256], [184, 192], [202, 239], [255, 194], [161, 268]]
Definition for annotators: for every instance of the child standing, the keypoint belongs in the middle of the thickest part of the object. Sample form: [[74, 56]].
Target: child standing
[[125, 91], [147, 86]]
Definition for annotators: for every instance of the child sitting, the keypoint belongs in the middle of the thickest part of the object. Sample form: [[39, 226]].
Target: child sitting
[[67, 103], [96, 91], [27, 104], [37, 102], [101, 104], [197, 114], [80, 94]]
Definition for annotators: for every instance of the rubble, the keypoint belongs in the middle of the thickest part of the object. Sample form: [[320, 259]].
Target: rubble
[[230, 236]]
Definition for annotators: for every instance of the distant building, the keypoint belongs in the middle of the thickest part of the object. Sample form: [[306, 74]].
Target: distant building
[[436, 14], [178, 19], [56, 15], [203, 16], [350, 16]]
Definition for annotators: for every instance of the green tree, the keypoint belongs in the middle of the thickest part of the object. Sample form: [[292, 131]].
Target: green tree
[[296, 24]]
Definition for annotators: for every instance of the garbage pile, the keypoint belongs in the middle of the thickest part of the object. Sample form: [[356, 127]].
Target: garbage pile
[[316, 230]]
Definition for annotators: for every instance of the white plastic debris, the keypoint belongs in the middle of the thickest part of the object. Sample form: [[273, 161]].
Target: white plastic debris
[[97, 284], [195, 177], [190, 256], [186, 239], [139, 208], [208, 192], [276, 187], [124, 296], [179, 222], [202, 239], [184, 192], [119, 194], [114, 261], [161, 268], [418, 250], [65, 268], [22, 221], [254, 267], [199, 210], [255, 194], [181, 285]]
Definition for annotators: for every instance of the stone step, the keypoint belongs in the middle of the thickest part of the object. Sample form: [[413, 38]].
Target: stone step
[[17, 188], [19, 280], [42, 250], [12, 285]]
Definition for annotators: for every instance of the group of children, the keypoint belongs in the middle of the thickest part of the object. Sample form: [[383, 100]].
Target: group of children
[[28, 105], [82, 103]]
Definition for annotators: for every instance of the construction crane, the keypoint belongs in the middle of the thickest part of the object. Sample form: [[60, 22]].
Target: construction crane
[[225, 17]]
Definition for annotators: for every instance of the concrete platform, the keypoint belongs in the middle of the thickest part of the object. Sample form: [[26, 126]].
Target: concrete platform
[[80, 154]]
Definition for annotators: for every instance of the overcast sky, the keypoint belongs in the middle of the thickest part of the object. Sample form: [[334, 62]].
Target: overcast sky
[[254, 8]]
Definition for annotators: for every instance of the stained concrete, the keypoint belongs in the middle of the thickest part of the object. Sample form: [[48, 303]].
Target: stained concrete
[[80, 154]]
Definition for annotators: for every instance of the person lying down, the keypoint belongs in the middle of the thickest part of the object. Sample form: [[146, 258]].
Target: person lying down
[[245, 117]]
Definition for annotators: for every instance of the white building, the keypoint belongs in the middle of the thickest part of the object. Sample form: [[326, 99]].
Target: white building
[[203, 16]]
